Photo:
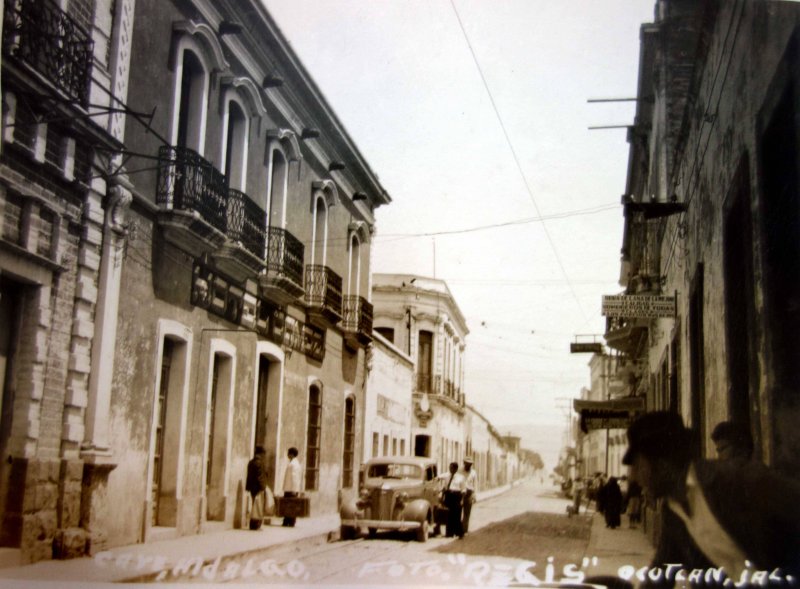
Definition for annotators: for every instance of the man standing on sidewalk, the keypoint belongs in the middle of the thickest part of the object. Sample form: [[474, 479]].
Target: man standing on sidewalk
[[453, 499], [716, 513], [470, 485], [256, 485], [291, 481]]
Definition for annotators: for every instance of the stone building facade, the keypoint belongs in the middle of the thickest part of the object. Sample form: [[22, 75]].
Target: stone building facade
[[245, 310], [185, 272], [63, 208], [712, 219]]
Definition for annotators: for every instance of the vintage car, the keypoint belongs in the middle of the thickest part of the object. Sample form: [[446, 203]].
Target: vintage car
[[397, 493]]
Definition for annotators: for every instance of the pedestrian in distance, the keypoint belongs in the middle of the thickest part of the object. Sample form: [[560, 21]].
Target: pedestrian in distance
[[256, 485], [470, 487], [578, 488], [453, 499], [634, 500], [612, 503], [292, 481], [735, 515], [732, 441]]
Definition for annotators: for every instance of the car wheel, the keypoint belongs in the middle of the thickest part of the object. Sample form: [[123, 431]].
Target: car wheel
[[372, 532], [347, 532], [422, 531]]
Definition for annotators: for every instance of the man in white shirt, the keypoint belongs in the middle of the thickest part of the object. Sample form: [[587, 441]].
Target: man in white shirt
[[470, 486], [454, 489], [292, 481]]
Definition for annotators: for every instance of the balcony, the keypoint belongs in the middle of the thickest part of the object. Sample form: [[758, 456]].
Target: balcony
[[44, 38], [242, 255], [626, 335], [357, 321], [323, 295], [193, 197], [283, 281]]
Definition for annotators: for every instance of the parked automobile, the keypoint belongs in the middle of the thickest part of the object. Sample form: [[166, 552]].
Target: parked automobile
[[397, 493]]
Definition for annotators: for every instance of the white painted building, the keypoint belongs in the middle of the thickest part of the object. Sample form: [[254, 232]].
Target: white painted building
[[387, 407]]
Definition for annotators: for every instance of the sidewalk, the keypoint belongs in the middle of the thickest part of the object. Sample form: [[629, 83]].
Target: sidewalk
[[616, 548], [145, 562]]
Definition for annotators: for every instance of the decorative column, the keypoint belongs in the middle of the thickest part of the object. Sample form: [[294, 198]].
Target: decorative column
[[96, 448]]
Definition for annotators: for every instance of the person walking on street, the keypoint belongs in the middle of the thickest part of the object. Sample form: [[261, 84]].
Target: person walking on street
[[256, 485], [453, 499], [737, 515], [470, 486], [291, 481], [634, 499], [578, 488], [612, 502]]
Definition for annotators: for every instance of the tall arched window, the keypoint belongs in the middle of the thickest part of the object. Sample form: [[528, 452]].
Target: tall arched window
[[319, 244], [348, 453], [276, 190], [354, 279], [191, 102], [313, 437], [234, 153]]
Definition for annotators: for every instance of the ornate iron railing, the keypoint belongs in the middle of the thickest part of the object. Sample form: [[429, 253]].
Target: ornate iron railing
[[246, 223], [357, 315], [323, 288], [285, 255], [47, 39], [188, 182]]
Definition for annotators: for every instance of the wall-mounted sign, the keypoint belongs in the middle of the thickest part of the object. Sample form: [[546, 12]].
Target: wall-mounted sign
[[611, 414], [586, 348], [641, 306]]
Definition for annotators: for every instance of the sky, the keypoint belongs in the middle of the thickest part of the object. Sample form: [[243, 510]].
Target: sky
[[474, 114]]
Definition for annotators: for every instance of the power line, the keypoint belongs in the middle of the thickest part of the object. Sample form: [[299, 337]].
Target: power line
[[523, 221], [516, 159]]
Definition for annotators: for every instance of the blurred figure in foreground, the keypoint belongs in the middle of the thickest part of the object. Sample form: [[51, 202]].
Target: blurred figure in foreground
[[730, 514], [732, 441]]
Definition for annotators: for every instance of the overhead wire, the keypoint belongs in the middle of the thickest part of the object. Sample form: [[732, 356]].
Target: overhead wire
[[516, 158]]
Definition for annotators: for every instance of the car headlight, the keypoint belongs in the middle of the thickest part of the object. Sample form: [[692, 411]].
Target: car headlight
[[402, 498], [363, 499]]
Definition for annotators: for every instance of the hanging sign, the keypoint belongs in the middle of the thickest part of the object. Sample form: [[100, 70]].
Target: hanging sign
[[639, 306], [586, 348]]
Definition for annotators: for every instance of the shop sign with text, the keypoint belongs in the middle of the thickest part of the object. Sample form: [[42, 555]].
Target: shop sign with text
[[639, 306]]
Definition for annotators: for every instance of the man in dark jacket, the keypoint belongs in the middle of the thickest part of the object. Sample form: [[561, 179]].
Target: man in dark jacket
[[256, 485], [738, 516]]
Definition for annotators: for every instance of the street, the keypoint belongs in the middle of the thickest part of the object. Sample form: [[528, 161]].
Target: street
[[522, 535]]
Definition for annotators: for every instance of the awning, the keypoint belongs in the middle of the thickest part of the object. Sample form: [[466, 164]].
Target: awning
[[611, 414]]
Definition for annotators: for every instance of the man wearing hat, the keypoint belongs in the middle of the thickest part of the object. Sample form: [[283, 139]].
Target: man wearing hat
[[714, 513], [471, 485]]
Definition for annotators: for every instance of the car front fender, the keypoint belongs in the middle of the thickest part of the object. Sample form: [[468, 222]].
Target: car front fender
[[417, 510]]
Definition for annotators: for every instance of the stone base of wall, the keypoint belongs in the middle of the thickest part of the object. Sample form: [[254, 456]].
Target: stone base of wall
[[70, 543]]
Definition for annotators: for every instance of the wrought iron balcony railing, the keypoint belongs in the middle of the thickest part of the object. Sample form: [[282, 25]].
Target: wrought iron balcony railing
[[324, 289], [40, 34], [357, 315], [246, 223], [188, 182], [285, 255]]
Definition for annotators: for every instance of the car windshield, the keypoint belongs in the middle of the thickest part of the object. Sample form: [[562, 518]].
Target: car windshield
[[394, 471]]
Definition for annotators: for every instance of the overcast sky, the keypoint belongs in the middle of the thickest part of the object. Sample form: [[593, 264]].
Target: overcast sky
[[503, 142]]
